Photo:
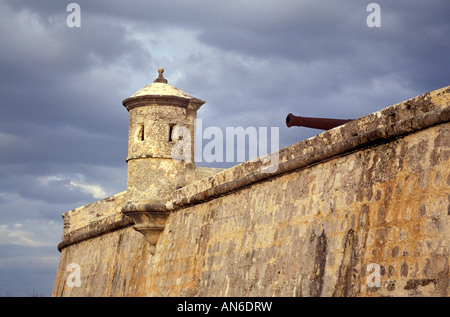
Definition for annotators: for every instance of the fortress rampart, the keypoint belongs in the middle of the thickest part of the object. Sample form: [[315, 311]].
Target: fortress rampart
[[359, 210]]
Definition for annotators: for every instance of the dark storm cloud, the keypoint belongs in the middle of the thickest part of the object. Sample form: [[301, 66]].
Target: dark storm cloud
[[411, 40], [59, 103], [28, 143], [303, 31], [44, 71]]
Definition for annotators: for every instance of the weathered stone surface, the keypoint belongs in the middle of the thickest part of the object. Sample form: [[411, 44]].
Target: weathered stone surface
[[155, 112], [376, 190], [107, 210], [270, 240]]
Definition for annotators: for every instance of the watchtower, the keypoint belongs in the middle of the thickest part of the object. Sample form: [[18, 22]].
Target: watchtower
[[156, 112]]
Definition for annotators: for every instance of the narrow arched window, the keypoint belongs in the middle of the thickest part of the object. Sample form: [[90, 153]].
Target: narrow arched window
[[141, 134], [171, 127]]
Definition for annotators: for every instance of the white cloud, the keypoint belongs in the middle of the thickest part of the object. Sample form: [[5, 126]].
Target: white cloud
[[74, 182], [33, 233], [94, 190]]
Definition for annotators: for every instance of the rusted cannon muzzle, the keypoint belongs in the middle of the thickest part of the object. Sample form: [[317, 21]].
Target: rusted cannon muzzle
[[314, 123]]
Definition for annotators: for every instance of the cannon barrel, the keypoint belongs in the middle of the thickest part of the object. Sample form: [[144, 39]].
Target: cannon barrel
[[315, 123]]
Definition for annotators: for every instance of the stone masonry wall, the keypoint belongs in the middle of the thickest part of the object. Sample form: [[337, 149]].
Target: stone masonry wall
[[314, 232], [373, 192]]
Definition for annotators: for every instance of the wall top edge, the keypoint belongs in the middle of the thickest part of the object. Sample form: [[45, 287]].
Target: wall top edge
[[415, 114]]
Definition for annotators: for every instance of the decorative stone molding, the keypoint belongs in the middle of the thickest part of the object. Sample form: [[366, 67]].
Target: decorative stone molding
[[149, 219]]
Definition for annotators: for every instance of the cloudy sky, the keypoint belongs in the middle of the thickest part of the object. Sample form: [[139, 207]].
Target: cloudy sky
[[63, 129]]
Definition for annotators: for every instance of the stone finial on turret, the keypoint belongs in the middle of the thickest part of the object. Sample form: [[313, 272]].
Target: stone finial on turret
[[160, 78]]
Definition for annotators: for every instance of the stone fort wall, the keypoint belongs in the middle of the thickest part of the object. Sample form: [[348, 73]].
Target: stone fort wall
[[365, 202]]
